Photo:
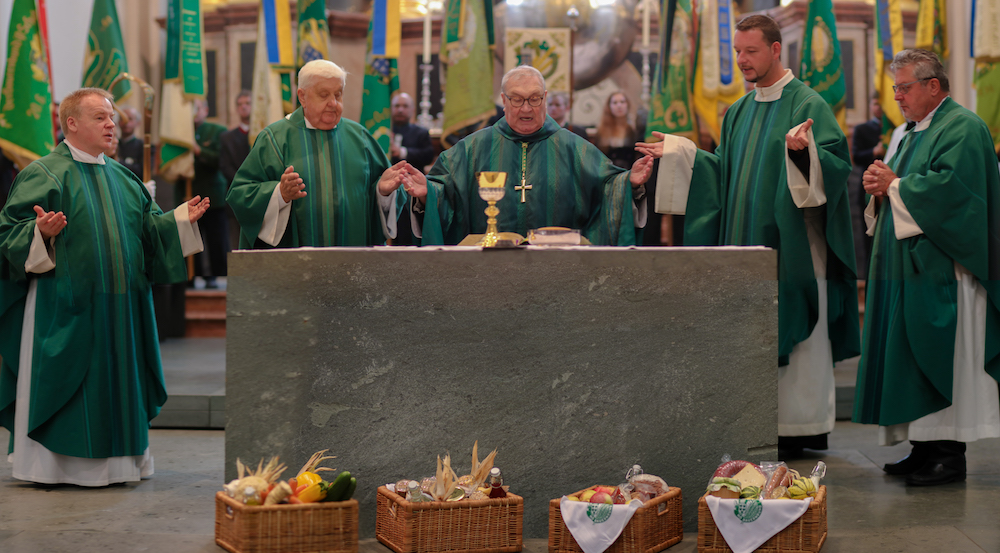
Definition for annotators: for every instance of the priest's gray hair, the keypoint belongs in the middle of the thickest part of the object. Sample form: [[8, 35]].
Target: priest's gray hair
[[520, 72], [321, 69], [926, 65]]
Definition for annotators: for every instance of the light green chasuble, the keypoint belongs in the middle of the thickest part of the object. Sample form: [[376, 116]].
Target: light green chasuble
[[572, 184], [340, 169], [950, 185], [739, 196], [96, 374]]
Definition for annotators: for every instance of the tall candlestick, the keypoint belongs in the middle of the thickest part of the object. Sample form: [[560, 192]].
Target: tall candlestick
[[645, 23], [427, 34]]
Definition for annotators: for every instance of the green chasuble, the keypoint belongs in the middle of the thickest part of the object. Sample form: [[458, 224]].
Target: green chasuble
[[340, 169], [739, 196], [950, 185], [208, 181], [96, 374], [572, 184]]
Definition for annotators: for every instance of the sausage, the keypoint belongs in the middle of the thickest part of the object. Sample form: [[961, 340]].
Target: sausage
[[727, 470], [775, 481]]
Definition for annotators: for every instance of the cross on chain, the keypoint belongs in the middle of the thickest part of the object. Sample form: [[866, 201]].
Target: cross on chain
[[524, 186]]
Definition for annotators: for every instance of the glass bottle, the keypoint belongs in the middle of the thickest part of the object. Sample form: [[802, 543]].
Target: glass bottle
[[413, 492], [495, 480]]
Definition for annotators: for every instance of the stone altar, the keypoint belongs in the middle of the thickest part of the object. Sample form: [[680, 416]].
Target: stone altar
[[575, 363]]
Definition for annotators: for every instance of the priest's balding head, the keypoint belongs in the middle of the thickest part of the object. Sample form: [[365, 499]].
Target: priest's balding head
[[523, 91]]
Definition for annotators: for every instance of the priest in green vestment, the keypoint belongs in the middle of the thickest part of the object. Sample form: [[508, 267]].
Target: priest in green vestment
[[80, 242], [315, 179], [554, 177], [931, 350], [779, 179]]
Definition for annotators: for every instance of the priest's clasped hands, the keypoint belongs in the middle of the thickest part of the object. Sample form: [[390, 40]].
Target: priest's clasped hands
[[877, 179], [51, 223]]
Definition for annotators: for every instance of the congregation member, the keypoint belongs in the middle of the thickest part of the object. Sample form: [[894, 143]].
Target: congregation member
[[410, 143], [314, 178], [931, 351], [234, 147], [80, 242], [778, 179], [616, 136], [208, 182], [130, 146], [554, 177], [866, 147], [559, 108]]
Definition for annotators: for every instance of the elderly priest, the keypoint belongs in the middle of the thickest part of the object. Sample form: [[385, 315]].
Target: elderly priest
[[554, 177], [80, 242], [315, 179]]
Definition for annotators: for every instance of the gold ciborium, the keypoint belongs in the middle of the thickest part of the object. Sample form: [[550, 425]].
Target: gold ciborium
[[491, 189]]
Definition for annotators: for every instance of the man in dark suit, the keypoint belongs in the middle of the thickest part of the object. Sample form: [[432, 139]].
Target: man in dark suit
[[866, 147], [412, 143], [130, 148], [559, 107], [234, 148]]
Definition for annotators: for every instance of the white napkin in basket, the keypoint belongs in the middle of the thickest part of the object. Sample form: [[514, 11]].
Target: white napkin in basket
[[596, 526], [753, 526]]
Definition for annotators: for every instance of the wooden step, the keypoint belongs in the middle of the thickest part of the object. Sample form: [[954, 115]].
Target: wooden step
[[205, 314]]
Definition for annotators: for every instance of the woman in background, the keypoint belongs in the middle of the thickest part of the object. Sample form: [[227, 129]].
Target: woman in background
[[616, 137]]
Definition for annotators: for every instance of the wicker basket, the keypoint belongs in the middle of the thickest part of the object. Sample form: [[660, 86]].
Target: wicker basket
[[312, 527], [655, 526], [484, 526], [805, 535]]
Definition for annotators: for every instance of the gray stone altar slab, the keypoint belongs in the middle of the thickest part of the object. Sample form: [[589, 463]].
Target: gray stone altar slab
[[573, 363]]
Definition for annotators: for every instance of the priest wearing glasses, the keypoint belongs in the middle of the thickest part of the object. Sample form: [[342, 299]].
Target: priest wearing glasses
[[554, 177]]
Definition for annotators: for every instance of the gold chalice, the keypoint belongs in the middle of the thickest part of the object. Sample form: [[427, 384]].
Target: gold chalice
[[491, 189]]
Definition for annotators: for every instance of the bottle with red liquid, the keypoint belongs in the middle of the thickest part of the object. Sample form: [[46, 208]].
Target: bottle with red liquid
[[495, 480]]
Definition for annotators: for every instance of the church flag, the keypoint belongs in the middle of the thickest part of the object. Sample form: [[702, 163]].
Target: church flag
[[314, 32], [670, 106], [467, 61], [932, 27], [183, 81], [385, 29], [26, 102], [986, 51], [381, 81], [821, 67], [267, 87], [888, 42], [718, 81], [105, 55]]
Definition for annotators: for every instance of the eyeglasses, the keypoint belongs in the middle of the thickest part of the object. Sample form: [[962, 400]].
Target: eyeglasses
[[905, 87], [517, 101]]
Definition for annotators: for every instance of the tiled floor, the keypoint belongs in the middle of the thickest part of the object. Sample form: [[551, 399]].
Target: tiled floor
[[174, 510]]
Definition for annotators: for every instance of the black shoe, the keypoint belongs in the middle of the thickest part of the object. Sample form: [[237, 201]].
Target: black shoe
[[909, 464], [939, 471]]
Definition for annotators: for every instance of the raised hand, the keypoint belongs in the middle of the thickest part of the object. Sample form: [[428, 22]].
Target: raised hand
[[49, 223], [291, 186], [652, 149], [641, 170], [415, 182], [799, 140], [197, 207]]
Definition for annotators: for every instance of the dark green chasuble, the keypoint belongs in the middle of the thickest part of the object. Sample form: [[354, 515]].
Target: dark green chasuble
[[572, 185], [96, 378], [950, 185], [739, 196], [340, 169]]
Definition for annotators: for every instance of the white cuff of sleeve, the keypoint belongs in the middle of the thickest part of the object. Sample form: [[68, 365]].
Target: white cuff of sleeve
[[640, 213], [673, 179], [871, 217], [807, 190], [385, 204], [190, 235], [275, 218], [40, 259], [902, 221]]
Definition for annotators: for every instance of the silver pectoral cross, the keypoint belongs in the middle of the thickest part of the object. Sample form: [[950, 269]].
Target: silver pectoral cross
[[522, 188]]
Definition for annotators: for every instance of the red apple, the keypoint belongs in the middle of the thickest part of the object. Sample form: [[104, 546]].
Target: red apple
[[601, 497]]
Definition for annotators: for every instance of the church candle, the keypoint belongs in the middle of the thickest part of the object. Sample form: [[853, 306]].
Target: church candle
[[645, 23], [427, 34]]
